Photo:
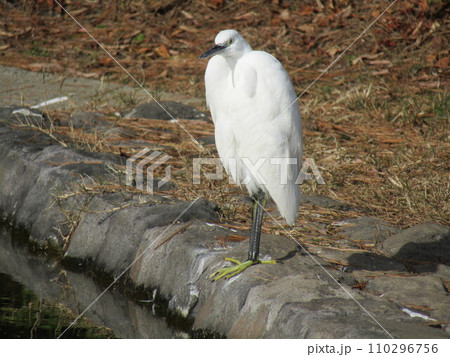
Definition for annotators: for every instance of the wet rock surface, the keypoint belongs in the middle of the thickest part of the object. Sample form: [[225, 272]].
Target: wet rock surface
[[170, 247]]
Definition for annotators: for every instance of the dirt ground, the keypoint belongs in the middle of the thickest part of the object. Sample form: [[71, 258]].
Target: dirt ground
[[376, 115]]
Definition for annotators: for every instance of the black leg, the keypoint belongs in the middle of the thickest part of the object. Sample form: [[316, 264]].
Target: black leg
[[259, 201]]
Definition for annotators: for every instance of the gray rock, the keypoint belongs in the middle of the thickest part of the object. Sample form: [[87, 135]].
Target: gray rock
[[326, 202], [443, 271], [35, 170], [110, 237], [164, 245], [360, 260], [82, 119], [426, 292], [19, 86], [303, 307], [153, 110], [367, 230], [207, 140], [334, 316], [16, 114], [429, 242]]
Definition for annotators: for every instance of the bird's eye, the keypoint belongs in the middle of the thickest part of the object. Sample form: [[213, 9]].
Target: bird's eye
[[229, 42]]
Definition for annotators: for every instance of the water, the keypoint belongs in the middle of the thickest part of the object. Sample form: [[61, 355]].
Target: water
[[24, 315], [39, 299]]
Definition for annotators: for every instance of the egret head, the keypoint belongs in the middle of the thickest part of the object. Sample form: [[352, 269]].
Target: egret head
[[229, 43]]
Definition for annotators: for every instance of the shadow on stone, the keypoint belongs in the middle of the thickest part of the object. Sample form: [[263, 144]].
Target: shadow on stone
[[423, 246], [374, 262], [290, 255]]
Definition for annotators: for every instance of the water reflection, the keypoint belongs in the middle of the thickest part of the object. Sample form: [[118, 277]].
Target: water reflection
[[25, 315], [38, 299]]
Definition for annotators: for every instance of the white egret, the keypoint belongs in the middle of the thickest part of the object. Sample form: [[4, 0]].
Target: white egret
[[257, 130]]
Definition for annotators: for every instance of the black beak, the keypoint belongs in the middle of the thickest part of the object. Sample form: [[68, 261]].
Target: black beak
[[212, 51]]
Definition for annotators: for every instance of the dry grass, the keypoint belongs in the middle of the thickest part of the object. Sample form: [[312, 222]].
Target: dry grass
[[376, 124]]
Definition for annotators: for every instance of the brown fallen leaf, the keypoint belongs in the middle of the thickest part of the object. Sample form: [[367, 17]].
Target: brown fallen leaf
[[306, 10], [443, 62], [368, 56], [431, 84], [332, 51], [379, 73], [381, 63], [423, 5], [232, 238], [308, 28], [187, 15], [285, 15], [246, 16], [163, 51], [105, 61], [346, 12]]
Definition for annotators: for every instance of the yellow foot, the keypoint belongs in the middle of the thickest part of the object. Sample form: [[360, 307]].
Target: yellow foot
[[229, 272]]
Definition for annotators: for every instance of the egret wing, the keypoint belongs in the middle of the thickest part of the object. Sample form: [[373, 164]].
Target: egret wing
[[266, 124], [218, 83]]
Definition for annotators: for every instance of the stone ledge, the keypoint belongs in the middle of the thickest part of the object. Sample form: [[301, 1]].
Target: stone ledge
[[293, 299]]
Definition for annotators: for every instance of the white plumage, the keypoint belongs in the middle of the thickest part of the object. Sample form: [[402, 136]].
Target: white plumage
[[256, 117]]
